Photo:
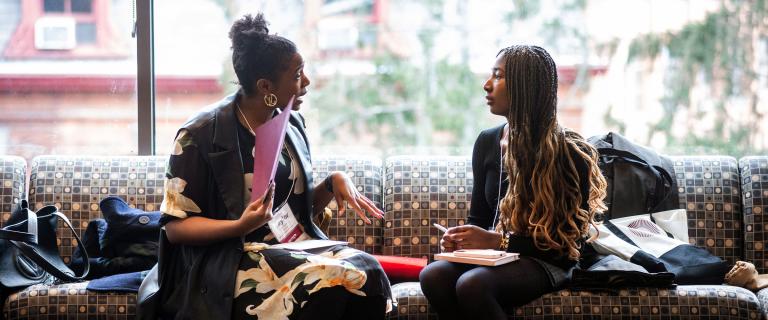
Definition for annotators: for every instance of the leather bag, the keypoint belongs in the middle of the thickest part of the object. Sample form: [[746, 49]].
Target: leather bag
[[639, 179], [29, 253]]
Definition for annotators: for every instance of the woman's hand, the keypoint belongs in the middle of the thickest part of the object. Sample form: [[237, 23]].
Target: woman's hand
[[344, 191], [470, 237], [446, 244], [258, 212]]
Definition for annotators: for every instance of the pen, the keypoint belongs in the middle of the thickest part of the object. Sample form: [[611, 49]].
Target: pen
[[439, 227]]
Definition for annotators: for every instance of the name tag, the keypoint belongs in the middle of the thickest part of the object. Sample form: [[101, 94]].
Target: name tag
[[284, 225]]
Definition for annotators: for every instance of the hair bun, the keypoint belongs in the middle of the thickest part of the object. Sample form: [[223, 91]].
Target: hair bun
[[259, 24], [248, 26]]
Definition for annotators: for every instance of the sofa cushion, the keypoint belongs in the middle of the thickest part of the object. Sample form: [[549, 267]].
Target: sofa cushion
[[13, 175], [69, 301], [683, 302], [420, 191], [754, 188], [365, 172], [76, 185], [762, 295], [411, 303], [709, 190], [401, 269]]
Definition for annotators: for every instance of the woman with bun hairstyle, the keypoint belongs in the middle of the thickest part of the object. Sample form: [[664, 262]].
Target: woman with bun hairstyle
[[536, 190], [215, 256]]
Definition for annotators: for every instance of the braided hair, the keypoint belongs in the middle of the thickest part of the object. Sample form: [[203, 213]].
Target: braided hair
[[544, 200], [256, 54]]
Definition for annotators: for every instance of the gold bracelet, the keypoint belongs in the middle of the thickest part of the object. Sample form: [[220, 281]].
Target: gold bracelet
[[504, 241]]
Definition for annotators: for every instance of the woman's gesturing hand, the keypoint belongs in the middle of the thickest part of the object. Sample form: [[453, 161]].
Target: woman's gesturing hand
[[344, 191], [470, 237], [258, 212]]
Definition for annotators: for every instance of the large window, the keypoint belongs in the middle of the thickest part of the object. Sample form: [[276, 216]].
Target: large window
[[398, 76], [392, 76], [67, 77]]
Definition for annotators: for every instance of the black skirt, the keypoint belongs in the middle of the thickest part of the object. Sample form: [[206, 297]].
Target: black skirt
[[275, 283]]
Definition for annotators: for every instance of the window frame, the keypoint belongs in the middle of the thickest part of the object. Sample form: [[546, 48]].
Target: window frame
[[145, 76]]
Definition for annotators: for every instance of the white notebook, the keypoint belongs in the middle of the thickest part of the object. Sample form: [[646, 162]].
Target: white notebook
[[308, 244], [491, 259]]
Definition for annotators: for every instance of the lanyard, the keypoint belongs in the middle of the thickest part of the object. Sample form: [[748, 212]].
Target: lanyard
[[290, 169], [498, 195]]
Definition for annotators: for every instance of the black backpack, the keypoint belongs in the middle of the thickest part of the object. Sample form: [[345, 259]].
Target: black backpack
[[639, 179]]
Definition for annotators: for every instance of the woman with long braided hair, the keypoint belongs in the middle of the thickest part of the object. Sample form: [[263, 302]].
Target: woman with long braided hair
[[536, 190]]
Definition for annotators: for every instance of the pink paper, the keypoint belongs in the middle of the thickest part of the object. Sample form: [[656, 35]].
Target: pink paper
[[269, 141]]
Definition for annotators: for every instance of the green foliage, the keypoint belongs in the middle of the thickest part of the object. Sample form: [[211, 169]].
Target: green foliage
[[612, 122], [385, 103], [717, 51], [524, 9], [645, 46], [437, 103]]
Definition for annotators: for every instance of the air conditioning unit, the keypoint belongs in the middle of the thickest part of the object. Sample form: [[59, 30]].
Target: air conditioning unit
[[337, 34], [55, 33]]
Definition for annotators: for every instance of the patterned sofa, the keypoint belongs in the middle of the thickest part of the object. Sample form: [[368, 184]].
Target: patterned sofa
[[725, 200]]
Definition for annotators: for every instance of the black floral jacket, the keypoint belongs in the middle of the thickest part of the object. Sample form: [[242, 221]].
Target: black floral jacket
[[197, 282]]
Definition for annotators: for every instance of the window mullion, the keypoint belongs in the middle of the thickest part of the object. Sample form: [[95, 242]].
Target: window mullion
[[145, 76]]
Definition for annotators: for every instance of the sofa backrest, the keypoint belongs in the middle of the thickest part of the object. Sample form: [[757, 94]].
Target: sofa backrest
[[419, 191], [414, 191], [13, 175], [366, 173], [754, 189], [76, 185], [709, 190]]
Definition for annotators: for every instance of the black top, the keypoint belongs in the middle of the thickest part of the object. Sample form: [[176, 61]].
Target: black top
[[288, 190], [486, 157]]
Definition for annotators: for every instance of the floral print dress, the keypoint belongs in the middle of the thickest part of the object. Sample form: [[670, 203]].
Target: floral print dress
[[276, 283]]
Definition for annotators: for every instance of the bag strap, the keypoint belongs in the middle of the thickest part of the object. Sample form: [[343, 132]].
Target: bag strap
[[621, 153], [664, 188], [664, 181], [30, 236], [55, 265]]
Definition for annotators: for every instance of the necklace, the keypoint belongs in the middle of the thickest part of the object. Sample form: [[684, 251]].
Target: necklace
[[237, 104]]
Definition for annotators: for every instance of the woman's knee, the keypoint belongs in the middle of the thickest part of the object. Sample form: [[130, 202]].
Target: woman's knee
[[475, 284], [436, 277]]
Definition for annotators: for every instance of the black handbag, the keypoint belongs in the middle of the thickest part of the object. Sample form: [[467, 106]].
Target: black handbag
[[29, 253]]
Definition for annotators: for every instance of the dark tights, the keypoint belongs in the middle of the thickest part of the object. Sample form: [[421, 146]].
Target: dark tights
[[463, 291], [325, 304]]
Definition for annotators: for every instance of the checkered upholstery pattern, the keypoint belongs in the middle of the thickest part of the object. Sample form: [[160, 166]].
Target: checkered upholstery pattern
[[419, 191], [754, 185], [411, 303], [76, 185], [366, 174], [69, 301], [708, 187], [762, 296], [683, 302], [13, 176], [725, 199]]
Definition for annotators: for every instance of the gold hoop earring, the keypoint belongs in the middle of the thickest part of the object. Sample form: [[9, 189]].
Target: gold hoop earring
[[270, 100]]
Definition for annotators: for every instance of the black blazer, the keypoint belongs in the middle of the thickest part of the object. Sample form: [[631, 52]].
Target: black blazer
[[197, 282]]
